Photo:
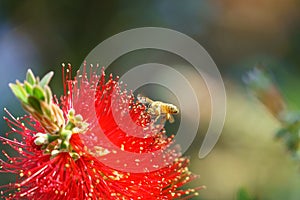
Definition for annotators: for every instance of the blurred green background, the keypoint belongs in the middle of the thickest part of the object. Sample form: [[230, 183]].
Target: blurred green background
[[237, 34]]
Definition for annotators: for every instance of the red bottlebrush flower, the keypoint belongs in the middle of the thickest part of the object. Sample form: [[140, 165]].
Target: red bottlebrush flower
[[98, 143]]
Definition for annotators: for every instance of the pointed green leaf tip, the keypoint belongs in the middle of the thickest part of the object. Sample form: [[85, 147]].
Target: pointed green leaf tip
[[30, 77], [19, 91], [32, 86], [46, 79]]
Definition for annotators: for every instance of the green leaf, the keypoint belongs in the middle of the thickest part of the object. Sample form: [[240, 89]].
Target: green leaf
[[48, 94], [51, 138], [35, 104], [19, 91], [65, 144], [30, 77], [28, 87], [38, 92], [46, 79], [66, 134]]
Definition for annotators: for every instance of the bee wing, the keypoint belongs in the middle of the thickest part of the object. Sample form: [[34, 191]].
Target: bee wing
[[144, 99]]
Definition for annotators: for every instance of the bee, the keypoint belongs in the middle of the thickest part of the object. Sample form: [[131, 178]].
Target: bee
[[159, 109]]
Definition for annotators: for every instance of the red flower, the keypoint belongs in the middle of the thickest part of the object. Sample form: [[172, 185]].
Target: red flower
[[109, 149]]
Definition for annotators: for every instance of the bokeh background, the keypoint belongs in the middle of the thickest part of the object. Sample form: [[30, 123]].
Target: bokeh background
[[237, 34]]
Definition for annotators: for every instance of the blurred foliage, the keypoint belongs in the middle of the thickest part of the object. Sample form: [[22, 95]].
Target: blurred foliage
[[237, 34], [267, 92], [242, 194]]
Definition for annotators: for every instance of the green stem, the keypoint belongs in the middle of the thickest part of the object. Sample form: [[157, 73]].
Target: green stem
[[70, 126]]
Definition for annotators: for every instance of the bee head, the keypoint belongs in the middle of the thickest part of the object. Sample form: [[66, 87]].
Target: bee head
[[174, 109]]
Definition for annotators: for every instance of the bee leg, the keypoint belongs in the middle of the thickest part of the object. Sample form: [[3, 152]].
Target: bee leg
[[163, 119], [170, 118], [157, 113], [156, 118]]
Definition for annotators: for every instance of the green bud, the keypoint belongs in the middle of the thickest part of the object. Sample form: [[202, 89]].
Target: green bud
[[54, 152], [42, 138], [35, 104], [71, 113], [30, 77], [74, 155], [46, 79], [66, 134], [78, 118], [19, 91]]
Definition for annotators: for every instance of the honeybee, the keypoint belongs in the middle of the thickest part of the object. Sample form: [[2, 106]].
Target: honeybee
[[159, 109]]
